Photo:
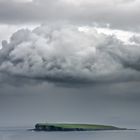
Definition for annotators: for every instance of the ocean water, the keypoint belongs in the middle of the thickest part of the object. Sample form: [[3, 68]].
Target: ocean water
[[24, 134]]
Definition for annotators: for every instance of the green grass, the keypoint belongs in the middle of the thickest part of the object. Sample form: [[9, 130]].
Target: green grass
[[80, 126], [84, 126]]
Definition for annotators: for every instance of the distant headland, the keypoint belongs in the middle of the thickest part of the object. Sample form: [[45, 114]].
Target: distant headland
[[73, 127]]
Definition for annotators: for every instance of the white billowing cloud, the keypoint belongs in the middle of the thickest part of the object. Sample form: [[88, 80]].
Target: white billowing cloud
[[111, 2], [70, 54], [7, 30], [23, 1], [125, 36]]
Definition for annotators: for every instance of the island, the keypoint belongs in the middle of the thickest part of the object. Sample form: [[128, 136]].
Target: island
[[73, 127]]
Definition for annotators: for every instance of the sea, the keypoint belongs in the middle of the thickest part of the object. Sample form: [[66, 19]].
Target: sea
[[25, 134]]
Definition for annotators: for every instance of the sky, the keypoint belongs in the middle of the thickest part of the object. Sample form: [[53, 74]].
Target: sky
[[70, 61]]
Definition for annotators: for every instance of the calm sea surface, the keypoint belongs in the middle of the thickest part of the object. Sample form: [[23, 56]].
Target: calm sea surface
[[23, 134]]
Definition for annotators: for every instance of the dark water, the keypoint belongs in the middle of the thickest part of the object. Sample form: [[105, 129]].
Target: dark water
[[23, 134]]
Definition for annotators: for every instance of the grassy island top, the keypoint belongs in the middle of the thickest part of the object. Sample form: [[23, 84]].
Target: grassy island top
[[72, 127]]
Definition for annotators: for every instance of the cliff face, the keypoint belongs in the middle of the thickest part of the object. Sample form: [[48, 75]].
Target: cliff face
[[55, 128]]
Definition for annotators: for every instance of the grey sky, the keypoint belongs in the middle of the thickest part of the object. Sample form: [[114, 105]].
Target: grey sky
[[118, 13], [66, 70], [107, 104]]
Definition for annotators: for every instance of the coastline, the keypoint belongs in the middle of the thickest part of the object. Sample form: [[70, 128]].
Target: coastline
[[74, 127]]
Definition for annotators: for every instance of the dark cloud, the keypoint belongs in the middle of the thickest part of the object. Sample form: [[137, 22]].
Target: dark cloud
[[66, 54]]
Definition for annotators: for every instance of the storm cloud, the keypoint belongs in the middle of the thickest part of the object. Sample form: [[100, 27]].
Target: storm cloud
[[70, 54]]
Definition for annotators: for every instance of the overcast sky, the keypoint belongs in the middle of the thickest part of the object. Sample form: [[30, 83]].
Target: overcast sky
[[122, 14], [70, 61]]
